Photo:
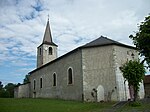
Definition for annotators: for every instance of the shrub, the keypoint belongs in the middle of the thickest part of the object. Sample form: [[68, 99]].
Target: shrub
[[135, 104]]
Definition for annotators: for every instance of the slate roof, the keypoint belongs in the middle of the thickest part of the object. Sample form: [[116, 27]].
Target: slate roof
[[47, 36], [103, 41]]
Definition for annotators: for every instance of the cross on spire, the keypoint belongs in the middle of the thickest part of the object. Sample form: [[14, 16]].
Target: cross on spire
[[48, 17]]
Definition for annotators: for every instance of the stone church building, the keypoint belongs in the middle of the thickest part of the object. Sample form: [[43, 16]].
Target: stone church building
[[88, 73]]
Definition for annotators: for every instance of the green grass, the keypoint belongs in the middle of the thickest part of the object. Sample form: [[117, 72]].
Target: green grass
[[49, 105], [142, 107], [53, 105]]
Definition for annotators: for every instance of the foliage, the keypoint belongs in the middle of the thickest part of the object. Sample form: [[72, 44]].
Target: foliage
[[10, 89], [135, 104], [4, 94], [26, 79], [142, 40], [133, 71], [2, 91], [7, 91], [1, 85]]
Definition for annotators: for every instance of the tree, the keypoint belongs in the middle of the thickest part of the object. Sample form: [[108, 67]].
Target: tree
[[133, 71], [7, 91], [26, 79], [3, 92], [1, 85], [142, 40], [9, 88]]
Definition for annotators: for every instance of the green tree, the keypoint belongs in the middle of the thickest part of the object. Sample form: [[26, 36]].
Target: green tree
[[26, 79], [142, 40], [3, 92], [9, 88], [133, 71], [1, 85]]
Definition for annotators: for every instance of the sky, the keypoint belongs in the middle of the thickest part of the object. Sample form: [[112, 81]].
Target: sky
[[73, 23]]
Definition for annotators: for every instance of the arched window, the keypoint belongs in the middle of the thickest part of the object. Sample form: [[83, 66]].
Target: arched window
[[70, 76], [40, 51], [50, 51], [54, 79], [41, 82], [34, 84]]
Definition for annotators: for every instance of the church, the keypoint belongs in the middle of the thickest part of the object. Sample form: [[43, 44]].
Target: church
[[88, 73]]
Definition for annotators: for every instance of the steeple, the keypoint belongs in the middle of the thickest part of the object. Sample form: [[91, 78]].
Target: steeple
[[47, 51], [47, 35]]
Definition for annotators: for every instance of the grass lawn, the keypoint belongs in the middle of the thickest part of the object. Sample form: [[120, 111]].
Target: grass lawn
[[49, 105], [53, 105], [145, 107]]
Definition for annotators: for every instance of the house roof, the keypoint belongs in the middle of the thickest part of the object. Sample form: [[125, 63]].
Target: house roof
[[101, 41], [147, 79]]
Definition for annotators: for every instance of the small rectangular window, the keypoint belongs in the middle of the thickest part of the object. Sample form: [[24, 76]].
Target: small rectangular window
[[54, 79], [41, 83], [70, 76], [34, 84], [40, 51]]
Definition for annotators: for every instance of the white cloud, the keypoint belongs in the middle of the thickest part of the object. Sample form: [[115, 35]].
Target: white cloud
[[73, 23]]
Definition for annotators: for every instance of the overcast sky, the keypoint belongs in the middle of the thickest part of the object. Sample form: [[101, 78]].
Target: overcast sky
[[73, 23]]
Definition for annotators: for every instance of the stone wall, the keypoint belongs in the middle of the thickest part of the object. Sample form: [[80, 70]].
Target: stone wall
[[147, 86], [101, 73], [147, 90], [22, 91], [60, 67], [98, 74], [44, 57], [122, 55]]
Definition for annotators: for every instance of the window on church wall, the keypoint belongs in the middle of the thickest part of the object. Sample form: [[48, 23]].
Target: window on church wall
[[50, 51], [34, 84], [41, 82], [40, 51], [70, 76], [54, 79]]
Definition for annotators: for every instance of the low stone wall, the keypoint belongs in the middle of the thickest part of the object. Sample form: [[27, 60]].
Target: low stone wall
[[22, 91]]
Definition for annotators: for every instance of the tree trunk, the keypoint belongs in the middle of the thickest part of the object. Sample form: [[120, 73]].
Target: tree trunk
[[131, 90], [135, 93]]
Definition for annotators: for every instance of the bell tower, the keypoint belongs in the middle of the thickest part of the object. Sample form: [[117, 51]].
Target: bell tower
[[47, 51]]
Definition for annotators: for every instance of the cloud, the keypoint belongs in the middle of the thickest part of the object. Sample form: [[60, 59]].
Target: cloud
[[73, 23]]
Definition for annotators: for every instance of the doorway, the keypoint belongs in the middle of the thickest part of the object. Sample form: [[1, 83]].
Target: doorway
[[100, 93], [34, 94]]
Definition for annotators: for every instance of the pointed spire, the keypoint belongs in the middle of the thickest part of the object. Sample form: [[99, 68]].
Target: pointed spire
[[47, 35]]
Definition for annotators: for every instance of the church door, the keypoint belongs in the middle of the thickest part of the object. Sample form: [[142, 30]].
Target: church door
[[34, 94], [100, 93]]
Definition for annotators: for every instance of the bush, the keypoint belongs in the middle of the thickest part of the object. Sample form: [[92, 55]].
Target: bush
[[135, 104]]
